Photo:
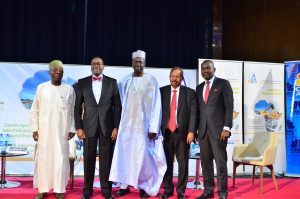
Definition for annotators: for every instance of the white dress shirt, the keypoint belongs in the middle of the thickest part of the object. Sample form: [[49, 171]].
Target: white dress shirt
[[97, 88]]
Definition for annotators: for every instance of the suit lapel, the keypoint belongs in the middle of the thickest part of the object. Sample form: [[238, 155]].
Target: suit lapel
[[180, 98], [201, 92]]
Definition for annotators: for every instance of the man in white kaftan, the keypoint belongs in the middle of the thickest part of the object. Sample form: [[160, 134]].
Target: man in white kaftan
[[139, 158], [52, 123]]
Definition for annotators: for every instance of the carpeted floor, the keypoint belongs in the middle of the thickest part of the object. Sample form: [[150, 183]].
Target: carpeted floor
[[288, 189]]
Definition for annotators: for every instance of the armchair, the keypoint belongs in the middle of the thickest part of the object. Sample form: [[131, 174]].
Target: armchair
[[260, 152]]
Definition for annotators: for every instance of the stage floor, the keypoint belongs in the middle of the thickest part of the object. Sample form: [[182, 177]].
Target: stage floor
[[288, 189]]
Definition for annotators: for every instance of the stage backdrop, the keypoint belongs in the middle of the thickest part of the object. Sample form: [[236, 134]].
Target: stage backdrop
[[232, 71], [264, 105], [292, 83], [17, 89]]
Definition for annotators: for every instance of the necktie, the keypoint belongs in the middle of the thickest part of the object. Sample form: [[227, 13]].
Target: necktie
[[206, 93], [172, 122], [94, 78]]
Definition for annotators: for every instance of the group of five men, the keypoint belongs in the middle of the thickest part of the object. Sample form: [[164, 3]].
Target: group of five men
[[148, 124]]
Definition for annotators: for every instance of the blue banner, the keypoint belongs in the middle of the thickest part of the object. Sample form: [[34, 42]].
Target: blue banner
[[292, 74]]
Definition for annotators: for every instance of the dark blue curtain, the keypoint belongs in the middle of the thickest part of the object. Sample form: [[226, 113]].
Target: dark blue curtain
[[172, 32]]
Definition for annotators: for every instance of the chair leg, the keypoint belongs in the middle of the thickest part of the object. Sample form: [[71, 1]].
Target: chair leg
[[273, 176], [253, 174], [235, 165], [71, 173], [261, 168]]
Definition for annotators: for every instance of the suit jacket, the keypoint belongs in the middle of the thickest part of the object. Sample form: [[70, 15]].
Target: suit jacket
[[186, 109], [107, 112], [217, 113]]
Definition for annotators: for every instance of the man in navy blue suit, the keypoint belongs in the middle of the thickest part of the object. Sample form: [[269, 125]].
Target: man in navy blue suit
[[215, 103]]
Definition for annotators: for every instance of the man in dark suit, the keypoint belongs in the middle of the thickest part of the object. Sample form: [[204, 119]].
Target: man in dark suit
[[98, 99], [179, 124], [215, 103]]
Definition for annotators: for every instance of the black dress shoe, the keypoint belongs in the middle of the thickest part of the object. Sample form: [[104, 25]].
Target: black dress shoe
[[40, 195], [143, 194], [59, 195], [206, 195], [166, 195], [123, 192], [86, 196], [108, 195], [180, 196]]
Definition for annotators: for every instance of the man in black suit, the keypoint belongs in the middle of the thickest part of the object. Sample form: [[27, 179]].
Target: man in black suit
[[215, 103], [179, 124], [98, 99]]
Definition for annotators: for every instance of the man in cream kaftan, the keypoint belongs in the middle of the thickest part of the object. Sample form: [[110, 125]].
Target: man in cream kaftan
[[139, 158], [52, 121]]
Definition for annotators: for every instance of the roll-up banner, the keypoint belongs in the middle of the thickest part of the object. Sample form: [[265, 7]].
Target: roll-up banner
[[264, 105], [232, 71], [292, 104]]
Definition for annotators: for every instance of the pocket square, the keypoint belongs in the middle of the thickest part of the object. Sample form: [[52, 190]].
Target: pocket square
[[215, 90]]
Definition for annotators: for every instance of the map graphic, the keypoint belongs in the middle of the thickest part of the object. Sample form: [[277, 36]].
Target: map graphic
[[269, 112]]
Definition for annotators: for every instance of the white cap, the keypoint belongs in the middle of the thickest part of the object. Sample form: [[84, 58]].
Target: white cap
[[139, 53]]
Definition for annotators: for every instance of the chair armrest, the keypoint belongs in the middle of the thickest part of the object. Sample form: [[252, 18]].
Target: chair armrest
[[238, 150], [269, 155]]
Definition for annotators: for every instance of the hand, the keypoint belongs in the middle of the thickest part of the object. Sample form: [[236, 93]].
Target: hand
[[71, 135], [190, 138], [114, 134], [80, 134], [35, 136], [225, 135], [152, 135]]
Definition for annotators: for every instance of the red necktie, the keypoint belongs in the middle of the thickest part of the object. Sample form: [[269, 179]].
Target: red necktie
[[94, 78], [206, 92], [172, 122]]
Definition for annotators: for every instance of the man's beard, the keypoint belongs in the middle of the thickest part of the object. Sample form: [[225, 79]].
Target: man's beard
[[138, 70]]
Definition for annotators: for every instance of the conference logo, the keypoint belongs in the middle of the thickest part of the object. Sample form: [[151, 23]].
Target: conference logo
[[297, 87], [252, 78], [30, 85]]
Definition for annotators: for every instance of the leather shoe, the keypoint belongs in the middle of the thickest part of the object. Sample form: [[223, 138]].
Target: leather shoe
[[166, 195], [108, 196], [180, 196], [59, 195], [143, 194], [123, 192], [40, 196], [86, 196], [206, 195]]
